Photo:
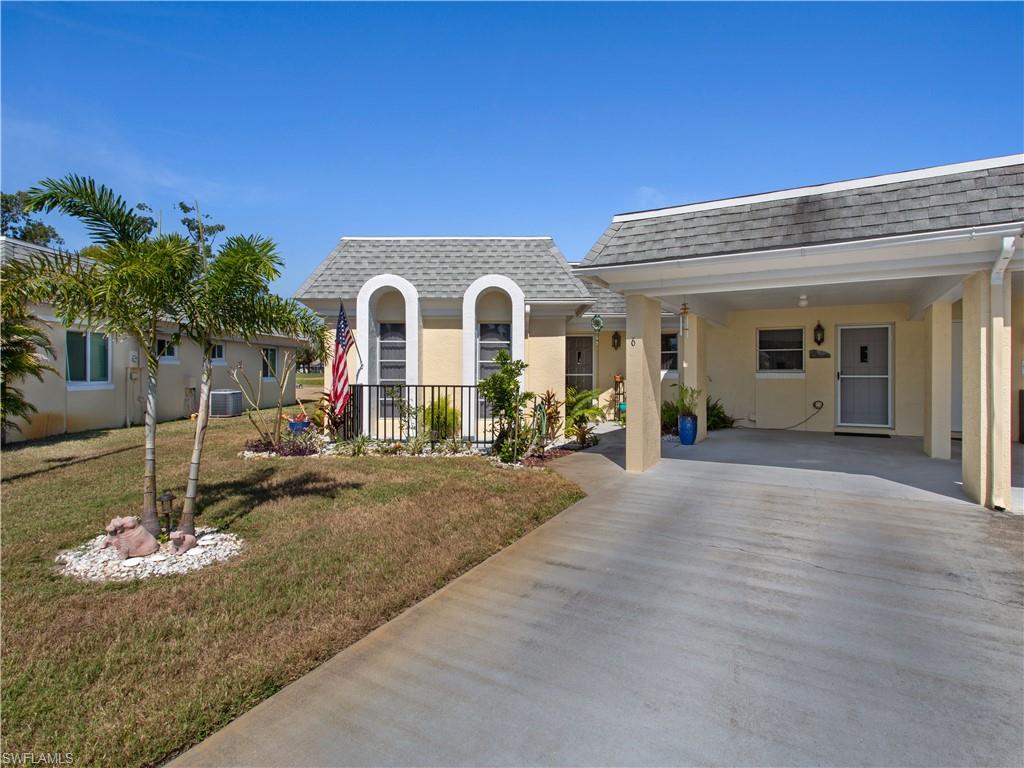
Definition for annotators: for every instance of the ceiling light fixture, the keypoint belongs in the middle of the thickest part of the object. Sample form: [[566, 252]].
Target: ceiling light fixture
[[803, 300]]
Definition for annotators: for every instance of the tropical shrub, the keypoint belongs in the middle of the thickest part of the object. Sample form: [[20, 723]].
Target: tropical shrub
[[23, 340], [688, 399], [717, 416], [441, 418], [580, 410], [417, 446], [551, 407], [669, 417]]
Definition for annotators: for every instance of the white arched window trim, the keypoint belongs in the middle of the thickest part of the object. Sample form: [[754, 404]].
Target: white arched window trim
[[365, 322], [470, 329]]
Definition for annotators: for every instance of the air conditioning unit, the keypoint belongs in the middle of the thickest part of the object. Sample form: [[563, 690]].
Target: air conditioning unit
[[225, 402]]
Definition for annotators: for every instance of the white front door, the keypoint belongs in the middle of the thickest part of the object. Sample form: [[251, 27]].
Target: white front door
[[864, 386]]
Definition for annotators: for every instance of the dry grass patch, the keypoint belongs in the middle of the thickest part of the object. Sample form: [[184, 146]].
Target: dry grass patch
[[126, 674]]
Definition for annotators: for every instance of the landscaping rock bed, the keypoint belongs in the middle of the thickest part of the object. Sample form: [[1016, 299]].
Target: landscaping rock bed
[[92, 562]]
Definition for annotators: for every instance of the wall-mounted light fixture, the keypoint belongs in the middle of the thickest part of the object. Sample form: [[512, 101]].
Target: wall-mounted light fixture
[[819, 334], [616, 340]]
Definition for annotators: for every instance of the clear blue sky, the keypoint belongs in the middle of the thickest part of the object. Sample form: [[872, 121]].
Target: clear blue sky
[[306, 122]]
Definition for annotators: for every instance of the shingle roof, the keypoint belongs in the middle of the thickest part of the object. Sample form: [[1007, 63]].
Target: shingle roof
[[444, 267], [990, 195], [606, 301]]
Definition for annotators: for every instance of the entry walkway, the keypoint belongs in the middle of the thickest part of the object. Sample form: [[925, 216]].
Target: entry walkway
[[705, 612]]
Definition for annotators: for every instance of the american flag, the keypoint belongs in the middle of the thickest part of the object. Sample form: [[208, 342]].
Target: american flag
[[343, 342]]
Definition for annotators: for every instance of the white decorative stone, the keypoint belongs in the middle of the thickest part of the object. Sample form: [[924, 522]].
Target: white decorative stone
[[91, 562]]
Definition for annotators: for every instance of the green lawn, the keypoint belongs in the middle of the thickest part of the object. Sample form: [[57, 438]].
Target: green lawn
[[315, 380], [127, 674]]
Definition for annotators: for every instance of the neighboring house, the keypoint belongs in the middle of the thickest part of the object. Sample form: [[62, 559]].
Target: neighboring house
[[879, 305], [100, 380]]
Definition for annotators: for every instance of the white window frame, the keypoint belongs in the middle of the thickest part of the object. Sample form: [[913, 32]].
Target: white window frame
[[223, 359], [661, 355], [781, 373], [168, 359], [87, 385], [264, 361], [506, 345]]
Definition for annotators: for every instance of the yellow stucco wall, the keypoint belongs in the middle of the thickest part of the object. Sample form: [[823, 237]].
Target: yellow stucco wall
[[545, 356], [441, 353], [776, 403]]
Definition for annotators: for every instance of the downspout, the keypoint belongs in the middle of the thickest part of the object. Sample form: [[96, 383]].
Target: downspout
[[997, 294]]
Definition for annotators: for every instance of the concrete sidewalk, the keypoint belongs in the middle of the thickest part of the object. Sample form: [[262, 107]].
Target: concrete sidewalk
[[703, 613]]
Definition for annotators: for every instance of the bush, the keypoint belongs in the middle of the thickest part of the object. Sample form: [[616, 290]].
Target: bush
[[441, 417], [513, 437], [669, 417], [302, 444], [579, 412], [717, 417], [417, 446]]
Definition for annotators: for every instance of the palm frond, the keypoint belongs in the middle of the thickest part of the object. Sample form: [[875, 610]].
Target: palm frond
[[105, 214]]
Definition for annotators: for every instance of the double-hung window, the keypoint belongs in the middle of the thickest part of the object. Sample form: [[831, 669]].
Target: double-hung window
[[493, 338], [167, 351], [780, 349], [391, 367], [269, 367], [88, 360], [217, 354], [669, 352]]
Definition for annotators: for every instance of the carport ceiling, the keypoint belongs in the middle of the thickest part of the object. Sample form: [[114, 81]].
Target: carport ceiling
[[874, 292]]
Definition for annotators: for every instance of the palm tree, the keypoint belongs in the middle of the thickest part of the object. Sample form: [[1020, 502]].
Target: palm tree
[[23, 342], [232, 298], [132, 283]]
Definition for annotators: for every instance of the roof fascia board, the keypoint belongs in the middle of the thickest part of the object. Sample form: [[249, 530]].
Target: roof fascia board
[[823, 189], [441, 237], [803, 276], [917, 238]]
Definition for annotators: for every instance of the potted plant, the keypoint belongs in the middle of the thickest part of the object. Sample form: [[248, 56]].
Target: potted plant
[[298, 423], [687, 402]]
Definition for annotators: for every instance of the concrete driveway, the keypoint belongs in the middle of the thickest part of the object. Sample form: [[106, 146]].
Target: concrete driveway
[[706, 613]]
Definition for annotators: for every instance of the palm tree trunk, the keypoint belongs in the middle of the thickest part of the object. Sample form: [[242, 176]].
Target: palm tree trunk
[[149, 518], [187, 524]]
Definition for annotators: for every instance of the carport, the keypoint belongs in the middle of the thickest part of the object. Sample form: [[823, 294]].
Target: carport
[[837, 308]]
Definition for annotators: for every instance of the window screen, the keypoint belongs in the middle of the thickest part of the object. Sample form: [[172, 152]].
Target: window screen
[[780, 349]]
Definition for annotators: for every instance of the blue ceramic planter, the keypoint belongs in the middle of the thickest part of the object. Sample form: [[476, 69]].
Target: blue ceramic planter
[[687, 430]]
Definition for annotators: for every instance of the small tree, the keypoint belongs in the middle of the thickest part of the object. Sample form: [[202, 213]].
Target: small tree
[[508, 401], [288, 318], [16, 221], [23, 342], [229, 298], [131, 283]]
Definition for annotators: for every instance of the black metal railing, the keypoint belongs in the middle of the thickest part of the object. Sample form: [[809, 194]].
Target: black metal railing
[[435, 412]]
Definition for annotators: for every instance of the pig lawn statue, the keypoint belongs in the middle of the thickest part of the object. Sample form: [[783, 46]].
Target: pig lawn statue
[[130, 538], [182, 542]]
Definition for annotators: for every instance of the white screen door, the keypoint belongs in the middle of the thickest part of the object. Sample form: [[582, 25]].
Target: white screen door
[[865, 384]]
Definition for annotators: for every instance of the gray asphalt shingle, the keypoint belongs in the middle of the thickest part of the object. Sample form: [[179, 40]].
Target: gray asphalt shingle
[[442, 268], [966, 199]]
